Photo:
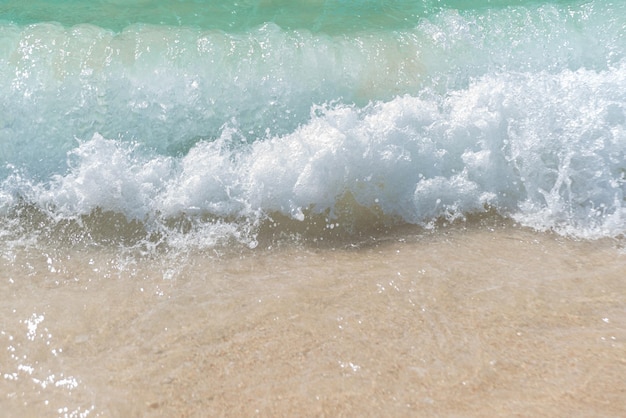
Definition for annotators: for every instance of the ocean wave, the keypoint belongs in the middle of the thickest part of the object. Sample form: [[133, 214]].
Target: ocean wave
[[544, 149], [516, 110], [172, 87]]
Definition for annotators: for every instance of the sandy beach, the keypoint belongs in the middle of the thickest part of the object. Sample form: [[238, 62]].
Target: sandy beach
[[483, 321]]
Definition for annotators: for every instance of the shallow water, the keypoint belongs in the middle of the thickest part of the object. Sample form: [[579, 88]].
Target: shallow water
[[476, 322]]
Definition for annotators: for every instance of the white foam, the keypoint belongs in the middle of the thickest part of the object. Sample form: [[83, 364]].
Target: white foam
[[546, 149], [438, 121]]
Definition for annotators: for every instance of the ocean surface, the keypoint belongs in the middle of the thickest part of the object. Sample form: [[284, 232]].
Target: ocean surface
[[207, 124]]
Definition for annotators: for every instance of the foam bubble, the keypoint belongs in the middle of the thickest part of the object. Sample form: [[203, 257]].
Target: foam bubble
[[209, 129], [546, 149]]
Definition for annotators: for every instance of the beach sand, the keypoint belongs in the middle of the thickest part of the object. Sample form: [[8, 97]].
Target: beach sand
[[484, 321]]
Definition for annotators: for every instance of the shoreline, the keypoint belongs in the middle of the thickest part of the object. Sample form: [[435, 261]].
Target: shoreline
[[474, 321]]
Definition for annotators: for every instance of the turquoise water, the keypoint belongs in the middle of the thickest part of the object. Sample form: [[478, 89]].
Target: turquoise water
[[335, 16], [314, 15], [205, 122]]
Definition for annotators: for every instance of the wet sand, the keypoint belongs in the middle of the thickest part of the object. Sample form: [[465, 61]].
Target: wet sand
[[467, 322]]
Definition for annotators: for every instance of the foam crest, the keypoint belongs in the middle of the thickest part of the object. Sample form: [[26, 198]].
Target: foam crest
[[545, 149], [183, 128], [107, 175]]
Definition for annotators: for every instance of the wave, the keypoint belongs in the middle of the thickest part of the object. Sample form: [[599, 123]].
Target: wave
[[171, 87], [156, 130], [547, 150]]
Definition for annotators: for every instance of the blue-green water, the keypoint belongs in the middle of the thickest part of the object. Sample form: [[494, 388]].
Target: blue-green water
[[314, 15], [227, 116], [335, 16]]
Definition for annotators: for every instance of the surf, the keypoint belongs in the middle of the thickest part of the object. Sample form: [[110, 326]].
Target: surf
[[455, 113]]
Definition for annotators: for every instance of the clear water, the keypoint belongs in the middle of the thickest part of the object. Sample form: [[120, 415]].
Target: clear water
[[200, 123]]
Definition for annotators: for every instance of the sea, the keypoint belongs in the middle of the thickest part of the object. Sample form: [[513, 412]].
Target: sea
[[312, 207]]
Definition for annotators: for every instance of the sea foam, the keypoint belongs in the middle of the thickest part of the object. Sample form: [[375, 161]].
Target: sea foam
[[461, 113], [529, 146]]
